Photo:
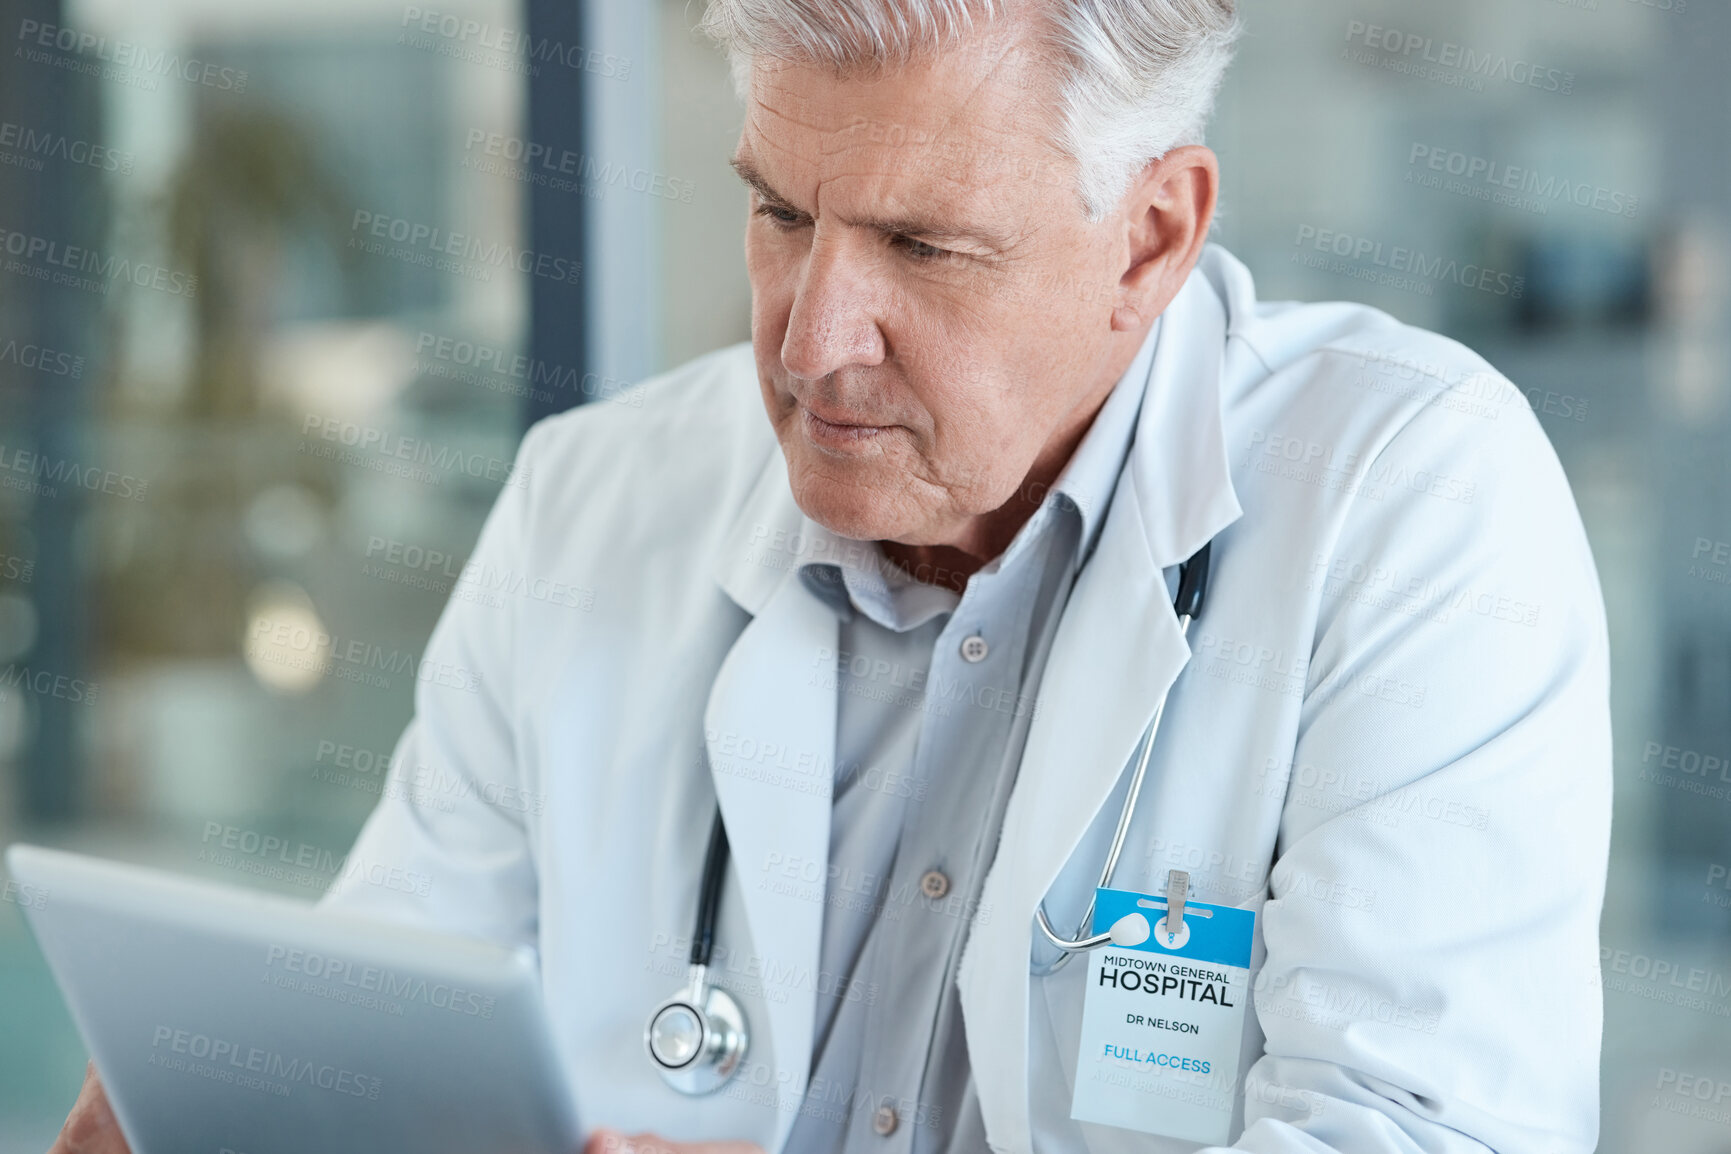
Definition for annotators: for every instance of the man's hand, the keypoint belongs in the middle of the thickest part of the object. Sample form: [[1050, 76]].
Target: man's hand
[[613, 1142], [91, 1128]]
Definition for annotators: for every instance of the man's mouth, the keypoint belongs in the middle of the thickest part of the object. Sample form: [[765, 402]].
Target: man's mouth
[[838, 429]]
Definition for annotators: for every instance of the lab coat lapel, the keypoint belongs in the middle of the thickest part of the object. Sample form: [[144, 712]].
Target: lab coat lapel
[[770, 732], [1117, 650]]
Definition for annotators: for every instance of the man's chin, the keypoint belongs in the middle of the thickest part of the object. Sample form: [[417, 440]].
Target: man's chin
[[851, 511]]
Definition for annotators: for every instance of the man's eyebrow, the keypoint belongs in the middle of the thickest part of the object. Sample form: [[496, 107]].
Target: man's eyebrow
[[889, 226], [931, 230], [758, 182]]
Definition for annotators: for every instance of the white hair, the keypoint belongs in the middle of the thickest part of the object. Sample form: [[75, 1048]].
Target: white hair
[[1138, 76]]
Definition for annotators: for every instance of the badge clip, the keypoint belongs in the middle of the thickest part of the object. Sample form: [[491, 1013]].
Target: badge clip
[[1177, 888], [1177, 893]]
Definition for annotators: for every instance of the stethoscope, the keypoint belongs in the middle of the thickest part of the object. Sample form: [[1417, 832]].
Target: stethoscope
[[698, 1037]]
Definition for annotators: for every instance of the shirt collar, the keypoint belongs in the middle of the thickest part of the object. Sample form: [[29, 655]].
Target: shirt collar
[[1173, 451], [881, 589]]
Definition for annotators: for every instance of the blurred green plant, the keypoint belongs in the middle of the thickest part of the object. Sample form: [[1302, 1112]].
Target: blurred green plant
[[252, 185]]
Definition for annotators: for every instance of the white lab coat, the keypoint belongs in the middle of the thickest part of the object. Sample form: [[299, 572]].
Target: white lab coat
[[1396, 697]]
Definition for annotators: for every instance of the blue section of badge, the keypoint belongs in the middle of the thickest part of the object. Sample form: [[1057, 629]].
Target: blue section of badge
[[1222, 938]]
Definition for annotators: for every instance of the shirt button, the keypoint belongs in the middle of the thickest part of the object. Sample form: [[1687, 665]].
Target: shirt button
[[884, 1120], [974, 648], [934, 884]]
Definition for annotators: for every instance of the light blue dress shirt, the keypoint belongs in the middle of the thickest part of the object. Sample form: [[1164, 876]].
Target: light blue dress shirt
[[935, 692]]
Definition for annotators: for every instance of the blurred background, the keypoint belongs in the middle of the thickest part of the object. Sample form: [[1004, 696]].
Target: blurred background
[[266, 351]]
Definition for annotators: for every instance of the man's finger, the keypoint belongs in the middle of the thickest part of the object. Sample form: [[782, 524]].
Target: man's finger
[[91, 1128], [606, 1141]]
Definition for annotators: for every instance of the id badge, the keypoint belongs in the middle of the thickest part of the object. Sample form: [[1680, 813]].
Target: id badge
[[1163, 1021]]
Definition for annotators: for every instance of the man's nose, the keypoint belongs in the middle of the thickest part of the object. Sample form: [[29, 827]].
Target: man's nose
[[834, 320]]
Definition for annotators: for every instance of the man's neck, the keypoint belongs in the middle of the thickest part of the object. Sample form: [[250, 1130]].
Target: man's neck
[[987, 535]]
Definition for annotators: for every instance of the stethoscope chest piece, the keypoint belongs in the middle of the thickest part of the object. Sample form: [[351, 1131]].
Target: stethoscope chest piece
[[697, 1038]]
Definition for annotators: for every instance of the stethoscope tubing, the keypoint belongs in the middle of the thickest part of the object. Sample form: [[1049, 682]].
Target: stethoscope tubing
[[1125, 816], [709, 892], [731, 1042]]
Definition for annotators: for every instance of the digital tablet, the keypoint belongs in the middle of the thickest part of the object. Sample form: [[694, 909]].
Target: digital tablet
[[226, 1020]]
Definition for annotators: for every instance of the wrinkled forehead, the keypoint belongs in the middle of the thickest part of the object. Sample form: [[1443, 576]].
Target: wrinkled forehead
[[978, 119]]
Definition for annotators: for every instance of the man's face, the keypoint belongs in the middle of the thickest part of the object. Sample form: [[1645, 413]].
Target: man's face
[[929, 302]]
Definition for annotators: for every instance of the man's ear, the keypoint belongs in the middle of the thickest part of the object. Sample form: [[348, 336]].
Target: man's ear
[[1167, 212]]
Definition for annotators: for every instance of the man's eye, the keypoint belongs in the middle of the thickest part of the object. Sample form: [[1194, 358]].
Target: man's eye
[[920, 250], [781, 215]]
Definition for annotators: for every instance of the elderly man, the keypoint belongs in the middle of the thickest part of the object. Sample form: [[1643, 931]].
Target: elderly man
[[868, 695]]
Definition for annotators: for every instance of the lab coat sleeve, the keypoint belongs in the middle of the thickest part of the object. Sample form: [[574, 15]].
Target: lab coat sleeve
[[447, 847], [1430, 982]]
